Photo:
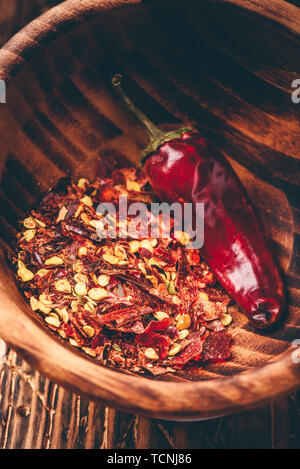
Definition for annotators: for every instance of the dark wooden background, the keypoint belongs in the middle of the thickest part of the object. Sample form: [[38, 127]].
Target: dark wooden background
[[36, 413]]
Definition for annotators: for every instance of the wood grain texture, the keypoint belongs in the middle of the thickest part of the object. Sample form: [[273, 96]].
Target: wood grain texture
[[35, 413], [210, 63]]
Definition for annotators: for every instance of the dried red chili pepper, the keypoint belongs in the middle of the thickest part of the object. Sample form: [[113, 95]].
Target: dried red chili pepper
[[184, 166]]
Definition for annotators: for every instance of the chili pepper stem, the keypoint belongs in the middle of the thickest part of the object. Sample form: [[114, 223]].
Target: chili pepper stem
[[157, 136], [153, 131]]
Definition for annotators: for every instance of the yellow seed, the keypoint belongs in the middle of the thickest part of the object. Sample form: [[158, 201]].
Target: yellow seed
[[146, 245], [29, 235], [84, 217], [182, 237], [80, 278], [97, 293], [89, 331], [78, 266], [152, 262], [63, 286], [159, 315], [153, 280], [82, 182], [142, 268], [203, 296], [52, 321], [62, 334], [86, 200], [89, 351], [134, 246], [73, 342], [54, 315], [173, 276], [226, 319], [151, 354], [55, 260], [174, 350], [63, 314], [45, 299], [25, 274], [82, 251], [29, 223], [62, 214], [42, 272], [183, 334], [89, 307], [98, 224], [40, 223], [74, 305], [123, 262], [111, 259], [34, 303], [184, 321], [133, 186], [80, 289], [120, 253], [176, 300], [78, 211], [103, 280]]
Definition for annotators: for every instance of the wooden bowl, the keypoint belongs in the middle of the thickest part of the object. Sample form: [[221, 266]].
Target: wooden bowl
[[225, 66]]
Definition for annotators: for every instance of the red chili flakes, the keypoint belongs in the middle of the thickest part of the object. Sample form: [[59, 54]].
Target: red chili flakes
[[146, 305]]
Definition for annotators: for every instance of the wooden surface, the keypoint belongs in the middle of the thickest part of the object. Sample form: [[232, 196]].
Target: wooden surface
[[51, 407]]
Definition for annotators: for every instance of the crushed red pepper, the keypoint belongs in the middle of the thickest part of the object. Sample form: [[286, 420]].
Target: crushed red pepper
[[137, 304]]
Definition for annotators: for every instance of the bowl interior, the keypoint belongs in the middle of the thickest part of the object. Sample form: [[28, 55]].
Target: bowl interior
[[225, 70]]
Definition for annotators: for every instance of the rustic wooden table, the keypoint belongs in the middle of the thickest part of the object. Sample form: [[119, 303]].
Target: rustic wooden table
[[36, 413]]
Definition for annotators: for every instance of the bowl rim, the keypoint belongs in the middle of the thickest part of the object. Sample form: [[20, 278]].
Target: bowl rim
[[160, 399]]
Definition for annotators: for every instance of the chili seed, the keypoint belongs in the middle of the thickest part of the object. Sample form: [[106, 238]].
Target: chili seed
[[84, 217], [55, 260], [86, 200], [45, 299], [89, 351], [80, 289], [29, 223], [159, 315], [151, 354], [174, 350], [134, 246], [183, 334], [89, 307], [146, 245], [103, 280], [63, 286], [73, 342], [89, 331], [42, 272], [226, 319], [133, 186], [52, 321], [184, 321], [120, 253], [25, 274], [97, 293], [80, 278], [82, 183], [82, 251], [29, 235], [153, 280], [40, 223], [203, 296], [111, 259]]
